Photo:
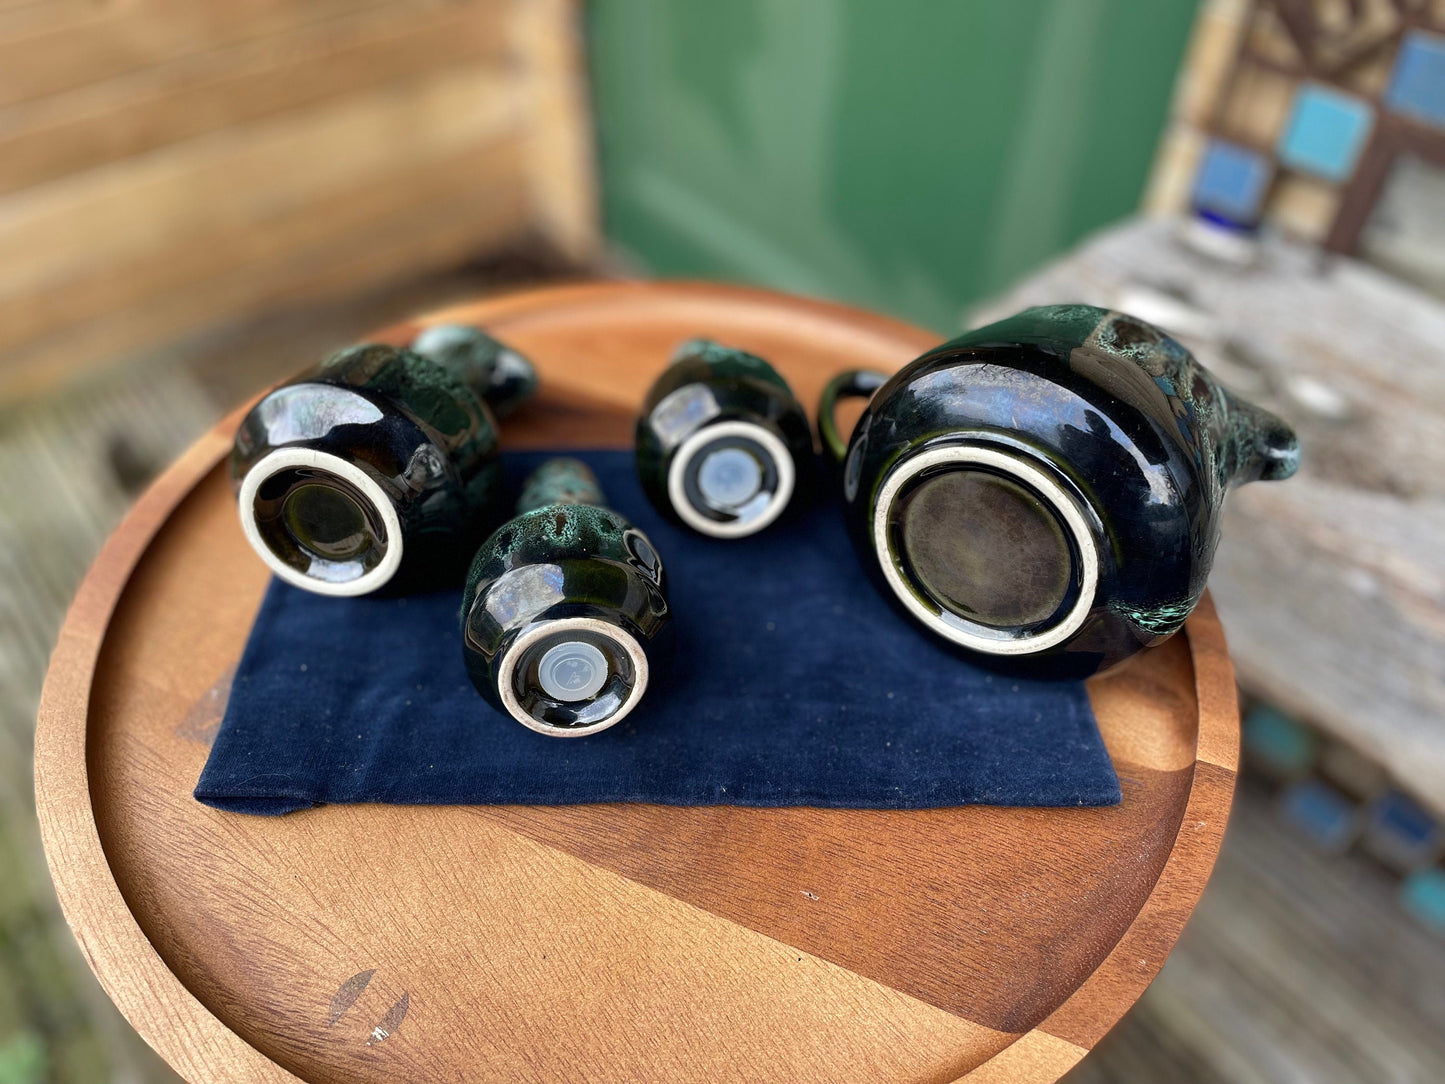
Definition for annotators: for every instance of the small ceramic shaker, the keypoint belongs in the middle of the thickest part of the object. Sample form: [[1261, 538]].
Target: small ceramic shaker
[[564, 608], [379, 465], [722, 444]]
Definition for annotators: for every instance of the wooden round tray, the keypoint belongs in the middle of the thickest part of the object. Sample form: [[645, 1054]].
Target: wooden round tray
[[594, 943]]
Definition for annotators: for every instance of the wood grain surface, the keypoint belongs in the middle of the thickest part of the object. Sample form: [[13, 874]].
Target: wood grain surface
[[167, 168], [606, 943]]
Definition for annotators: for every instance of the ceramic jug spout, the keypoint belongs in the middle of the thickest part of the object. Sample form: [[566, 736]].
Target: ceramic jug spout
[[1255, 445]]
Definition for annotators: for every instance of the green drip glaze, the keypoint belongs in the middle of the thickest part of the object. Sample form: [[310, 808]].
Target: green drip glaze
[[547, 534], [1121, 416], [563, 559], [422, 433], [1237, 442], [727, 362], [430, 392], [1161, 620], [705, 384], [560, 481]]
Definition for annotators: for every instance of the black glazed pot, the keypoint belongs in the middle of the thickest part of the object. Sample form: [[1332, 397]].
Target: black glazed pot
[[1048, 488], [380, 465], [564, 608], [722, 444]]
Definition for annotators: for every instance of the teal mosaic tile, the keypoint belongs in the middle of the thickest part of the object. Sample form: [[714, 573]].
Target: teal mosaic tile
[[1326, 132], [1400, 832], [1327, 818], [1422, 894], [1277, 744]]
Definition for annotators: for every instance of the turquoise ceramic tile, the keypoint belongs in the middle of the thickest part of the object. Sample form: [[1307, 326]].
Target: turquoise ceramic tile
[[1277, 744], [1324, 815], [1326, 132], [1231, 182], [1423, 895], [1417, 87]]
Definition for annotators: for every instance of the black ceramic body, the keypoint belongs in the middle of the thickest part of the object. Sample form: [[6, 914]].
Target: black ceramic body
[[492, 369], [574, 582], [379, 467], [1048, 488], [722, 445]]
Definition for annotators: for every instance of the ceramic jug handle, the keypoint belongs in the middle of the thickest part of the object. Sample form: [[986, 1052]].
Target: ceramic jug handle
[[855, 383]]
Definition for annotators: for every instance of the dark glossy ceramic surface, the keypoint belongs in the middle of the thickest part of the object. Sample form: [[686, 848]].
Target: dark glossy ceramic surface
[[707, 383], [503, 378], [1115, 413], [420, 427], [560, 559]]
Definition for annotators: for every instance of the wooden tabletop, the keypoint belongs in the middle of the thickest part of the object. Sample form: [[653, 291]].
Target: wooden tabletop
[[594, 943]]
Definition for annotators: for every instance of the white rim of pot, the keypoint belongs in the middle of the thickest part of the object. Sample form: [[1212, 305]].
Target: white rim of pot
[[770, 442], [292, 458], [1058, 498], [506, 668]]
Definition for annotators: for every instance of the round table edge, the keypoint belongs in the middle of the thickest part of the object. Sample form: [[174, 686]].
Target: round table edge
[[197, 1044]]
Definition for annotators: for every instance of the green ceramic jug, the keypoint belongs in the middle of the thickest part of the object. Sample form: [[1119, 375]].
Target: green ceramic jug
[[379, 467], [1048, 488]]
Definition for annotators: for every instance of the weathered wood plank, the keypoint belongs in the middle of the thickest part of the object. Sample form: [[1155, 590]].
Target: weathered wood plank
[[168, 167], [95, 222], [193, 94], [109, 39], [551, 59], [372, 189], [374, 234]]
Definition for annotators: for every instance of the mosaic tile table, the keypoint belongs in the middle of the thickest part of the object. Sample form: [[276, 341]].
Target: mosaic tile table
[[637, 943]]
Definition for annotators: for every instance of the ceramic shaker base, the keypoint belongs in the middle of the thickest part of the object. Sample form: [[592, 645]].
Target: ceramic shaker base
[[533, 676], [731, 479]]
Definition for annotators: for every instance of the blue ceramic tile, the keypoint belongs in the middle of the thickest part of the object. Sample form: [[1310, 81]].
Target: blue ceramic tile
[[1423, 895], [1276, 743], [1322, 813], [1231, 183], [1326, 132], [1400, 832], [1417, 87]]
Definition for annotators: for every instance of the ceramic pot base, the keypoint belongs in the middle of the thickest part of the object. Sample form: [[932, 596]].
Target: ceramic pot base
[[986, 549], [320, 522], [571, 677], [731, 479]]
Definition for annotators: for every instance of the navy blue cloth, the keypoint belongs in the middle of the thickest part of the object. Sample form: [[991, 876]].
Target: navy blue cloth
[[793, 682]]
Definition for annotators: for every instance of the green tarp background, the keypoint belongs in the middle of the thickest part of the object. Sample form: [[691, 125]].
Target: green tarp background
[[912, 157]]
